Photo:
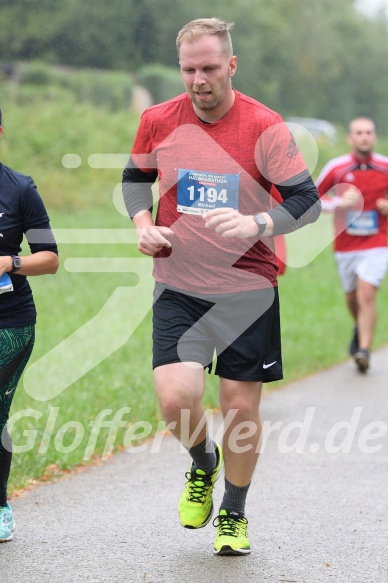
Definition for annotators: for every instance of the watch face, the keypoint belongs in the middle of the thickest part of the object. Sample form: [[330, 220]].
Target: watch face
[[17, 263], [261, 222]]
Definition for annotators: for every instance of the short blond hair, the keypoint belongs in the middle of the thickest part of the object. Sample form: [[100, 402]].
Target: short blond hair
[[207, 26]]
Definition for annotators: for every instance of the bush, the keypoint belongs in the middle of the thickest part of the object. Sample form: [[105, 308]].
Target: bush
[[111, 89], [35, 73], [162, 82]]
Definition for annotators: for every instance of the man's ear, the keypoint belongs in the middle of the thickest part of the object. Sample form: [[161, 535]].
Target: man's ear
[[232, 65]]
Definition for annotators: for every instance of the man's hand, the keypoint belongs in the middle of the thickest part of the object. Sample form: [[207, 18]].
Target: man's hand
[[229, 223], [382, 206], [350, 198], [152, 239]]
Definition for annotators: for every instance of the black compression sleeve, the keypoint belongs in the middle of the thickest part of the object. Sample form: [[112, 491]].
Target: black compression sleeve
[[136, 186], [300, 206]]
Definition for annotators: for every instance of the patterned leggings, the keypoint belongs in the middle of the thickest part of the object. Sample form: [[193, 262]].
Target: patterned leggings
[[16, 345]]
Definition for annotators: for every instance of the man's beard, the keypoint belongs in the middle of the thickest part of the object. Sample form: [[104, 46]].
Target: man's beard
[[366, 151], [214, 101], [207, 105]]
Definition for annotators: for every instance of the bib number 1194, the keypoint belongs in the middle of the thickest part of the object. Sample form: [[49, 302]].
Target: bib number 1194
[[198, 192], [208, 194]]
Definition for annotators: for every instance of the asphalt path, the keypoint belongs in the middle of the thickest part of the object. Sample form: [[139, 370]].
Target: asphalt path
[[317, 507]]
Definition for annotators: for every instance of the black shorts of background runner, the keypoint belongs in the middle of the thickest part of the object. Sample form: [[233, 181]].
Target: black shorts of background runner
[[242, 329], [16, 345]]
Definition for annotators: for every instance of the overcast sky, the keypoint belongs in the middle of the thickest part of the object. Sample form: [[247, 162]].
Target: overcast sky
[[370, 7]]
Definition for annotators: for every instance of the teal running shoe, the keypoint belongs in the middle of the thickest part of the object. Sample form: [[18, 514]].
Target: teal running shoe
[[7, 523]]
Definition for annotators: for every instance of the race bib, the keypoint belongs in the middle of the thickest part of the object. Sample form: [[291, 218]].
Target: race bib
[[367, 223], [198, 192]]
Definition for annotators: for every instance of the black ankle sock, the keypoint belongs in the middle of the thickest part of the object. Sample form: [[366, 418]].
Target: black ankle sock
[[234, 498], [204, 455]]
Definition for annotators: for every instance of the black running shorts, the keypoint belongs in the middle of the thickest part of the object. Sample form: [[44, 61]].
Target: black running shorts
[[241, 330]]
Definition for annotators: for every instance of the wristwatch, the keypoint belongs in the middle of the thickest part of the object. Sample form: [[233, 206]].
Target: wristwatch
[[16, 263], [261, 223]]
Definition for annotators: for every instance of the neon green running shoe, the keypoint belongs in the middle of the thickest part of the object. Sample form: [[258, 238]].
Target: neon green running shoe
[[232, 534], [196, 502]]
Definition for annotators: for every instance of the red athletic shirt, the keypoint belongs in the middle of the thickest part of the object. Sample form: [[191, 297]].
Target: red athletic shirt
[[235, 161], [370, 176]]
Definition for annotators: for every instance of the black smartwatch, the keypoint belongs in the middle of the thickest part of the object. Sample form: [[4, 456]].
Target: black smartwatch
[[261, 223], [16, 263]]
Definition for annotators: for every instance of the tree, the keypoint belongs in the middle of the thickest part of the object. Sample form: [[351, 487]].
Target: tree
[[300, 57]]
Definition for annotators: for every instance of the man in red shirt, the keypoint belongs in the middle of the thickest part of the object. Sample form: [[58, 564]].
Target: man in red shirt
[[355, 188], [217, 153]]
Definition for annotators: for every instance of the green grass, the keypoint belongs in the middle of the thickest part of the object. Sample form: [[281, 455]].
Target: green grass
[[315, 324]]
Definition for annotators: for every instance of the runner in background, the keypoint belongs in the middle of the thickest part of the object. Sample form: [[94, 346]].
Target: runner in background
[[354, 187]]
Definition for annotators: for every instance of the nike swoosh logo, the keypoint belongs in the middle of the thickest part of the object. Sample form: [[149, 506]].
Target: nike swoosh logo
[[9, 392], [268, 365]]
